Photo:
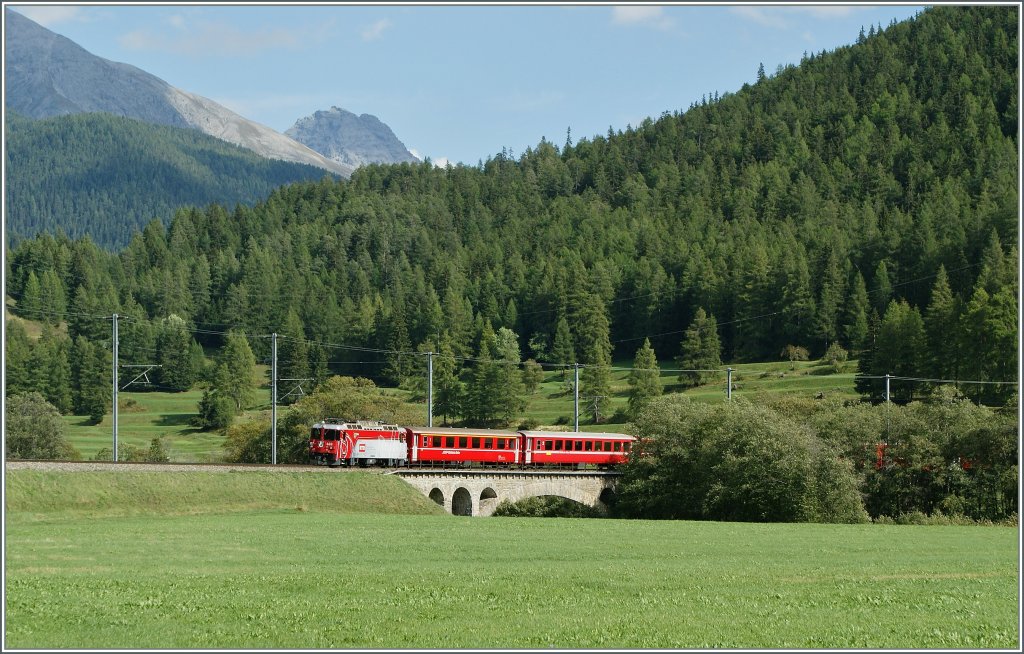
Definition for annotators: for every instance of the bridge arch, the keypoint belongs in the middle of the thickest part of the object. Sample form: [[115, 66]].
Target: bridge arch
[[541, 489], [488, 501], [437, 495], [462, 502]]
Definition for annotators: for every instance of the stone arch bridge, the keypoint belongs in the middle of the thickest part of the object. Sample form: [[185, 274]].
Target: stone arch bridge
[[477, 492]]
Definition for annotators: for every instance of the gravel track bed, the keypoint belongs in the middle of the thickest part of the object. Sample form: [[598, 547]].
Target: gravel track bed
[[99, 466]]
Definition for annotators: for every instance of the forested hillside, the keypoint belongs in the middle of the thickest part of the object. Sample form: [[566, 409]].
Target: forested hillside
[[106, 176], [867, 197]]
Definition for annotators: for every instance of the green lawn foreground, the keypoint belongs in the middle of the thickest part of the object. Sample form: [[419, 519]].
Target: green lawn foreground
[[320, 574]]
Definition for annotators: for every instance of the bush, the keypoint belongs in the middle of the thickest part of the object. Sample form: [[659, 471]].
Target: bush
[[835, 357], [529, 424], [734, 461], [35, 430], [548, 506]]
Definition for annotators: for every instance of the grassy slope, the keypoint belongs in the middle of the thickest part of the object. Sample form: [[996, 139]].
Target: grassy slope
[[33, 495], [289, 579]]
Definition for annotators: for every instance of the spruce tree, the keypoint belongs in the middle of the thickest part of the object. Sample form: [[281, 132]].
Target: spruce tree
[[700, 351], [644, 379], [239, 375], [941, 321], [562, 351], [855, 322]]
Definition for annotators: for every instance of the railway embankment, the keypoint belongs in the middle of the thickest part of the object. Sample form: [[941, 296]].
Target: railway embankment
[[52, 490]]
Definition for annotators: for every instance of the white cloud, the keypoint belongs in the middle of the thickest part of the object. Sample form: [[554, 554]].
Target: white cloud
[[778, 17], [47, 15], [826, 11], [376, 30], [221, 39], [641, 15], [770, 18]]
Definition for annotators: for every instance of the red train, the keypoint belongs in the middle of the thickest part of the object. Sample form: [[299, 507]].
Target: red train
[[335, 442]]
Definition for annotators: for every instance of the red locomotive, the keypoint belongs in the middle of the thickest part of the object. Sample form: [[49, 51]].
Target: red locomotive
[[334, 442], [363, 443]]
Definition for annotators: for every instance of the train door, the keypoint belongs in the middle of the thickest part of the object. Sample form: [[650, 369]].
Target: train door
[[527, 448]]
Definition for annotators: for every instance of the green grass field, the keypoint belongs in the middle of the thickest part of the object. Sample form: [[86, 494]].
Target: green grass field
[[167, 561]]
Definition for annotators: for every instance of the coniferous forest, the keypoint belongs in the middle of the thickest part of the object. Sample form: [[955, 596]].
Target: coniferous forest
[[867, 197], [107, 176]]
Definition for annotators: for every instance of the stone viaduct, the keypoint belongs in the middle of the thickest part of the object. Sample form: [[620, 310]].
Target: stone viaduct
[[478, 492]]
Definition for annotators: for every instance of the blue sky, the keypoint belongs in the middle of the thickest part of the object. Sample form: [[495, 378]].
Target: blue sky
[[459, 83]]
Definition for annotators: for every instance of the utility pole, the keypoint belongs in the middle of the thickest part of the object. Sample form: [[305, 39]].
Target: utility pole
[[576, 397], [430, 389], [273, 398], [114, 402], [887, 376], [728, 384]]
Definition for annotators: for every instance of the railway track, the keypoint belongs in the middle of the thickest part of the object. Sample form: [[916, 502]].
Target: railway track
[[134, 466]]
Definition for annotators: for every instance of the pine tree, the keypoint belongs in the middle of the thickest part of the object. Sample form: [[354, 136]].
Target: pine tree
[[217, 407], [292, 356], [700, 351], [644, 379], [53, 300], [595, 345], [17, 359], [562, 351], [941, 322], [448, 389], [30, 305], [510, 394], [831, 299], [175, 355], [55, 382], [239, 375], [881, 288], [855, 322]]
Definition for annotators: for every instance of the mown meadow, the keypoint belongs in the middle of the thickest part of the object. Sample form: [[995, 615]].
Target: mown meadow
[[144, 416], [354, 560]]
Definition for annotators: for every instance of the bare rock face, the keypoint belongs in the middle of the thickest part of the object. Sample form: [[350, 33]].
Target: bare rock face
[[349, 139], [50, 75]]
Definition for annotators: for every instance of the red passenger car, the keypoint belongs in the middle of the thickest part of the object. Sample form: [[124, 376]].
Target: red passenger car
[[575, 448], [437, 446]]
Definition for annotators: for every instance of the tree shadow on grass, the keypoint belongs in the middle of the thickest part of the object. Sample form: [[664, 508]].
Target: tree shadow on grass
[[175, 419]]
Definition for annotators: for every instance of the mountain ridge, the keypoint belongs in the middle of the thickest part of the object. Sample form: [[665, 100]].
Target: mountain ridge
[[49, 75]]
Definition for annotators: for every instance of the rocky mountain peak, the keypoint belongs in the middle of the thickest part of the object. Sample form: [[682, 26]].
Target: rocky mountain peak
[[346, 138]]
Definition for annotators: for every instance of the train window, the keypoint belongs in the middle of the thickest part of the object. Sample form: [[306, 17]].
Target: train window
[[618, 447], [558, 445], [463, 441], [588, 446], [426, 440], [449, 441], [625, 447], [488, 443], [607, 446], [579, 446], [476, 443]]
